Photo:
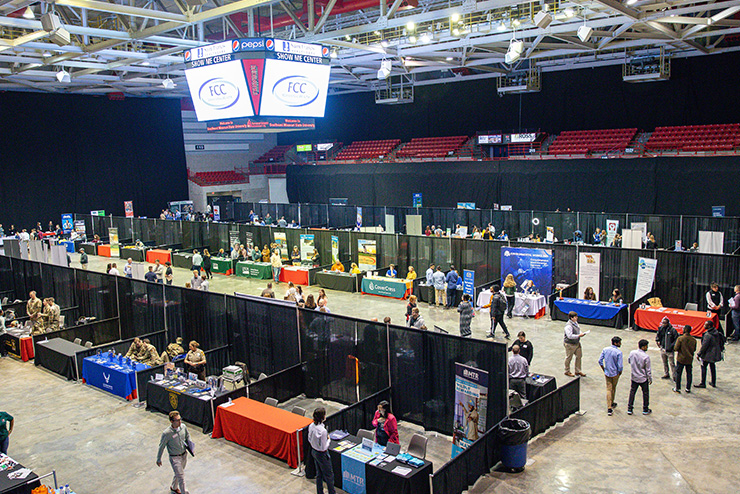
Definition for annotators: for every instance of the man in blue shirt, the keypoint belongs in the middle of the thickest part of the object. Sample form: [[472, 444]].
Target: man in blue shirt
[[610, 362], [430, 284], [452, 277]]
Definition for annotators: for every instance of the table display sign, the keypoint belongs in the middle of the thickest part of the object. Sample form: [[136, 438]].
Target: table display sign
[[334, 249], [528, 264], [550, 235], [471, 400], [114, 245], [645, 276], [353, 467], [80, 227], [589, 269], [307, 247]]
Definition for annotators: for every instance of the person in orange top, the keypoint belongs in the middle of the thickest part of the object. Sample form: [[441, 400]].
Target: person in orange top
[[338, 266]]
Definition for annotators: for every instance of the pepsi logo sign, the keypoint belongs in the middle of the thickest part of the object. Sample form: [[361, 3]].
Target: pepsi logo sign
[[270, 44], [235, 45], [218, 93], [325, 51], [295, 90], [188, 56], [253, 44]]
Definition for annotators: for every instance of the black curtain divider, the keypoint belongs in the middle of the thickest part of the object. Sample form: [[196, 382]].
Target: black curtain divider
[[359, 415], [96, 294], [27, 277], [283, 385], [98, 332], [196, 315], [142, 307], [7, 282]]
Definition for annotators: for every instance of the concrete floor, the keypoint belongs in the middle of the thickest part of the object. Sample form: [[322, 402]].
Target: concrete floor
[[100, 444]]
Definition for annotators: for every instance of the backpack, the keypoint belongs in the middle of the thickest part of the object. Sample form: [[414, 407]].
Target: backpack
[[500, 303]]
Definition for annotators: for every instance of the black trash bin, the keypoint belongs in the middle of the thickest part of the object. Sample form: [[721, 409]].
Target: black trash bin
[[513, 435]]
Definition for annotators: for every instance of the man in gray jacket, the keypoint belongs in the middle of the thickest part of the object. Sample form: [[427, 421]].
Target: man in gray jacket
[[642, 377], [572, 343], [666, 339]]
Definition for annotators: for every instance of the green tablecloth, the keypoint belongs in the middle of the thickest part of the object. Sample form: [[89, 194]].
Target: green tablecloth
[[259, 270], [385, 287], [221, 265]]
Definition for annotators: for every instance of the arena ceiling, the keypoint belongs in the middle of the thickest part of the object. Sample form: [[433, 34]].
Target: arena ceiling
[[132, 46]]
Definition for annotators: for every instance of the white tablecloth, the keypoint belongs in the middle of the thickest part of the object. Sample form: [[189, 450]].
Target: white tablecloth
[[535, 302]]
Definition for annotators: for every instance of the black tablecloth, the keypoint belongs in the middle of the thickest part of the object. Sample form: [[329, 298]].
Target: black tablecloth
[[382, 479], [333, 281], [182, 260], [58, 355], [136, 254], [90, 248], [536, 390], [619, 321], [18, 486], [191, 408]]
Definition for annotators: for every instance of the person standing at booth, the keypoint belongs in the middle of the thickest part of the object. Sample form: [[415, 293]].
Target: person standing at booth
[[510, 292], [735, 304], [712, 346], [277, 265], [33, 309], [715, 301], [385, 424], [430, 284], [6, 429], [439, 287], [572, 343], [452, 278], [195, 361], [318, 438]]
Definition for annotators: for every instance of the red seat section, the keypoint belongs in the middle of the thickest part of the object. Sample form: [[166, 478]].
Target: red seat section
[[432, 147], [274, 155], [590, 141], [367, 149], [716, 137], [213, 178]]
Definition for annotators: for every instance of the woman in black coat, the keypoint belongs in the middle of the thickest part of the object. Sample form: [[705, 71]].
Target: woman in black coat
[[712, 346]]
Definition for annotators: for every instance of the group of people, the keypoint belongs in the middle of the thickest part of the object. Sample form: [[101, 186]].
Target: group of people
[[142, 351], [45, 316]]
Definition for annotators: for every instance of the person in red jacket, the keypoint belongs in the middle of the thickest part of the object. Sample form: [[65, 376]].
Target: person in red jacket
[[386, 426]]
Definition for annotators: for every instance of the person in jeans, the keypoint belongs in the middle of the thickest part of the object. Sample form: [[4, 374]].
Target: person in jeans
[[735, 304], [572, 343], [6, 428], [610, 362], [197, 261], [712, 346], [430, 284], [642, 377], [318, 437], [666, 338], [684, 348], [498, 309], [510, 292], [277, 265], [452, 277], [518, 372]]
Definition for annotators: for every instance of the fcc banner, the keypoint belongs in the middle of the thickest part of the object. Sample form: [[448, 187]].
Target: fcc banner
[[471, 401], [645, 276], [528, 264]]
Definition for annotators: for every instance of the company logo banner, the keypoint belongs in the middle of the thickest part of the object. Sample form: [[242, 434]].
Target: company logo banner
[[471, 403], [528, 264]]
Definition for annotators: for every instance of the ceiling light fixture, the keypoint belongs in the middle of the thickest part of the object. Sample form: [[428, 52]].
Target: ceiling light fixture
[[542, 19], [410, 26], [455, 17], [631, 2], [516, 47], [412, 39], [334, 53], [456, 32], [168, 83], [449, 59], [515, 22], [501, 26], [385, 69], [28, 13], [63, 76], [384, 43], [569, 12]]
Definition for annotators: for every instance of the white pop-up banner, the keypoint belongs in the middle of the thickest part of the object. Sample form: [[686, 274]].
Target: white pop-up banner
[[612, 226], [645, 276], [589, 267]]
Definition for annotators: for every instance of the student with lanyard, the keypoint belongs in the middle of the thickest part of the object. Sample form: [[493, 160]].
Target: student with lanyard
[[319, 440], [391, 273]]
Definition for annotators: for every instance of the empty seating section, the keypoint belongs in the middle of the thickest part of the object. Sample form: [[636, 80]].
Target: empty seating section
[[431, 147], [274, 155], [212, 178], [590, 141], [718, 137], [367, 149]]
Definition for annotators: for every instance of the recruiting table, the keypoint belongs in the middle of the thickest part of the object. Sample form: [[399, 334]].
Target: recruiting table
[[104, 250], [58, 355], [16, 486], [18, 346], [154, 254], [195, 405], [68, 244], [380, 479], [251, 269], [524, 305], [332, 280], [261, 427], [90, 248], [222, 265], [297, 274], [591, 312], [134, 253], [182, 259], [650, 318], [111, 376], [386, 287], [537, 388]]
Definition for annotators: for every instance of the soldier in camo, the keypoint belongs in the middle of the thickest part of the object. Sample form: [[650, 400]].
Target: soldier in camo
[[173, 350], [33, 309]]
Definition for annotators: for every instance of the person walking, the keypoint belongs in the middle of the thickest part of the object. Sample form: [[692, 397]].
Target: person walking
[[684, 348], [207, 263], [666, 339], [498, 309], [572, 343], [452, 277], [466, 316], [197, 261], [610, 362], [277, 265], [642, 377], [6, 429], [510, 292], [168, 273], [176, 438], [439, 287], [410, 306], [84, 260], [712, 346], [735, 305], [318, 438]]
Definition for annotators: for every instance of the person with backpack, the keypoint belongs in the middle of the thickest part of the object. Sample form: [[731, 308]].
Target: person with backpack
[[498, 309], [712, 348]]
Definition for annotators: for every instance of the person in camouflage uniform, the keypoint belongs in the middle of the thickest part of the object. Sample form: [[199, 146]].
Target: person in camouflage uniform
[[136, 351], [33, 309], [150, 356], [173, 350]]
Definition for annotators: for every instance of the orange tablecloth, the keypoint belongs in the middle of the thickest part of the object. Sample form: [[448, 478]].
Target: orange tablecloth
[[261, 427], [298, 276], [104, 250], [154, 254], [649, 318]]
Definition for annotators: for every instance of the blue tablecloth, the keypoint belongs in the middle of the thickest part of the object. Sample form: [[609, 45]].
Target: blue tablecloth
[[69, 244], [110, 376], [588, 308]]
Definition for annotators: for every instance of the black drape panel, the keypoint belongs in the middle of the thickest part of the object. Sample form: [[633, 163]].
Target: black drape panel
[[96, 294], [358, 416], [372, 353], [27, 277], [64, 283], [142, 307], [282, 386], [196, 315], [7, 283], [408, 373]]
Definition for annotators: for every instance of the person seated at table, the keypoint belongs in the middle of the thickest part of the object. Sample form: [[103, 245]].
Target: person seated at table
[[597, 236], [256, 254], [295, 256], [526, 349], [173, 351], [136, 350], [139, 244], [428, 231], [651, 243], [150, 355], [299, 295], [518, 372], [353, 269], [290, 292], [265, 254], [411, 275], [385, 424], [337, 266], [195, 361], [589, 294], [316, 258], [391, 273], [530, 288], [694, 247], [616, 297], [96, 239]]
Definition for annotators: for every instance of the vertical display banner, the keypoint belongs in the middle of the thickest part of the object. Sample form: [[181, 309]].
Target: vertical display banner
[[612, 227], [643, 229], [359, 217], [471, 403], [113, 238], [80, 227], [645, 276], [128, 208], [589, 268], [216, 213], [469, 283], [234, 239], [67, 223], [282, 244], [334, 249], [307, 246], [416, 200], [550, 236], [366, 254], [528, 264]]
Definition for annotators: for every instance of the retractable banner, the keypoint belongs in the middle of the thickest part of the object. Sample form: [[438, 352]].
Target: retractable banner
[[612, 227], [128, 208], [114, 246], [471, 402], [366, 254], [307, 246], [216, 213], [67, 223], [282, 244], [589, 267], [645, 276], [233, 238], [528, 264], [334, 249], [359, 217], [469, 283]]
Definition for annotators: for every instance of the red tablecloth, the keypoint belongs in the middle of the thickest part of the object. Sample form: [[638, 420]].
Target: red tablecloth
[[26, 348], [299, 276], [650, 318], [154, 254], [261, 427], [104, 250]]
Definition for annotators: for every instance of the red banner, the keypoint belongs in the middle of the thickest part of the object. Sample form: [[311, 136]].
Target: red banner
[[128, 207]]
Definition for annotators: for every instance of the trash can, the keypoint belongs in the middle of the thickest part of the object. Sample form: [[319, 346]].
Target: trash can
[[513, 435]]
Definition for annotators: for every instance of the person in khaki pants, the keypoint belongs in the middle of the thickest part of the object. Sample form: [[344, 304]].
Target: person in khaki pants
[[611, 362], [440, 286], [572, 344]]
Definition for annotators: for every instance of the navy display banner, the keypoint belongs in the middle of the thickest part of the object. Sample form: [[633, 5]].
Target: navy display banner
[[526, 265]]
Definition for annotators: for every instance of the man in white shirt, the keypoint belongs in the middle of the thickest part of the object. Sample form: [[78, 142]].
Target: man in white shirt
[[197, 261], [196, 281], [318, 438], [128, 268], [176, 439], [430, 284], [114, 270], [24, 236]]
